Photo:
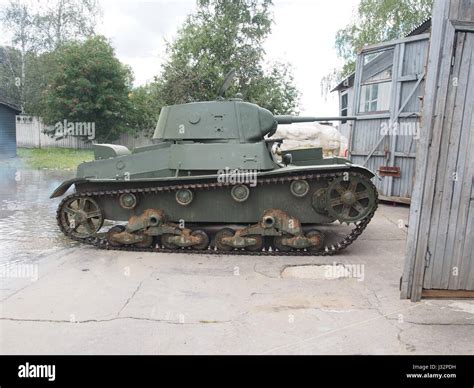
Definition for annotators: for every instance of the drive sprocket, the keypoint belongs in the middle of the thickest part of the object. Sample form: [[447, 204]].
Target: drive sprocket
[[350, 198]]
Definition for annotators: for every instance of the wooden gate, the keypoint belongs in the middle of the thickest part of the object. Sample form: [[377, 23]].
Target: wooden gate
[[440, 250], [389, 85]]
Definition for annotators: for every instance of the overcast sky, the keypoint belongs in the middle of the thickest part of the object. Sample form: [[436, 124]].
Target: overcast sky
[[303, 34]]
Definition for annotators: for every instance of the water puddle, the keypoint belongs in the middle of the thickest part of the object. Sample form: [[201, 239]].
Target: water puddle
[[27, 215]]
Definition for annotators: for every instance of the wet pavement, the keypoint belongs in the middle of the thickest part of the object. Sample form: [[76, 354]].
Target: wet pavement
[[28, 226], [63, 298]]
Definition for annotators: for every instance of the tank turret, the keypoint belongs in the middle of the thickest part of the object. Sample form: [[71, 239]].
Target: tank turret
[[232, 120]]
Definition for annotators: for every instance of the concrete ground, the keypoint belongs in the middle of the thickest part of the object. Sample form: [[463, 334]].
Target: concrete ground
[[87, 301]]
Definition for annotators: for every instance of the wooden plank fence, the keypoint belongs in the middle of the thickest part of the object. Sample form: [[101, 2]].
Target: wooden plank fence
[[30, 133]]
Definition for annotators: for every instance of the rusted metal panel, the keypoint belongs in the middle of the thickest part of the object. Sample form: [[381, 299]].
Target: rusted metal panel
[[393, 171]]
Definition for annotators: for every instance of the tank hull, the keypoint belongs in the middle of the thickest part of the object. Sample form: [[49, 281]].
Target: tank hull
[[213, 203]]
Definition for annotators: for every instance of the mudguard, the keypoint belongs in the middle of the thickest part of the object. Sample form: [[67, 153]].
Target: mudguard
[[63, 187]]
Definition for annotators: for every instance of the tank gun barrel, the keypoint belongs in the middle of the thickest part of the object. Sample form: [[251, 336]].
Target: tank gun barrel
[[288, 119]]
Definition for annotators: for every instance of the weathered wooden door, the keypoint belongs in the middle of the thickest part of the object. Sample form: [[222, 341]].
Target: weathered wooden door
[[439, 255], [450, 254]]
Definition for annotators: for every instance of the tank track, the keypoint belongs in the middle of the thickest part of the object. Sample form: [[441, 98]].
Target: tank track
[[99, 241]]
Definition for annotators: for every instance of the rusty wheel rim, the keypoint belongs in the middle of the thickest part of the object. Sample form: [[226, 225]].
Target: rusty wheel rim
[[205, 240], [165, 241], [258, 246], [322, 239], [221, 234], [112, 232], [277, 242], [81, 217], [146, 242]]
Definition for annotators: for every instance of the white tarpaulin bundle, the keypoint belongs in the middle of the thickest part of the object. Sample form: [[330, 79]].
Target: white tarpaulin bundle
[[306, 135]]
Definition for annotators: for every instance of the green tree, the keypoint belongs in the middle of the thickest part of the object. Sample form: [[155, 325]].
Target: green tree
[[61, 21], [40, 70], [146, 103], [222, 35], [18, 18], [10, 74], [375, 21], [90, 85], [37, 29]]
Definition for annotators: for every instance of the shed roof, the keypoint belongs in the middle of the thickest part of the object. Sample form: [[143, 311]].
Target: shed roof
[[5, 102], [421, 28], [345, 83]]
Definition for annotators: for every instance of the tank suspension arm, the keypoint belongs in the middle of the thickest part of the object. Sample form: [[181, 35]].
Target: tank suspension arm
[[288, 119]]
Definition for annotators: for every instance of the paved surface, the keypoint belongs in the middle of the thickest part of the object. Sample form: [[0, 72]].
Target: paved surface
[[86, 301]]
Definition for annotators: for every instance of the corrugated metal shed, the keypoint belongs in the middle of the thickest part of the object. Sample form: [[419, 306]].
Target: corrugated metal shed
[[388, 86], [387, 103], [7, 129]]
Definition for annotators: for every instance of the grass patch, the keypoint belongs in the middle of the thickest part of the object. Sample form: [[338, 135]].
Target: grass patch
[[54, 158]]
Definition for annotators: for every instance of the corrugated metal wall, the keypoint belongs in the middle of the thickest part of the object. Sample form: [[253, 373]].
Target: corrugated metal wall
[[7, 132], [369, 144]]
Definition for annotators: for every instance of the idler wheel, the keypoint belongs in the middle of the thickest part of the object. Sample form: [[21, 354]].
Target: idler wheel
[[166, 241], [113, 231], [278, 242], [316, 234], [220, 235], [258, 246], [80, 217], [204, 240]]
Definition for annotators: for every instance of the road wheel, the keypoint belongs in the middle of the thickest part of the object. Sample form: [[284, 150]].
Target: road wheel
[[220, 235]]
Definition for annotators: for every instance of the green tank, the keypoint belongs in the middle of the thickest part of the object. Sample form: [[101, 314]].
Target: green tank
[[216, 180]]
